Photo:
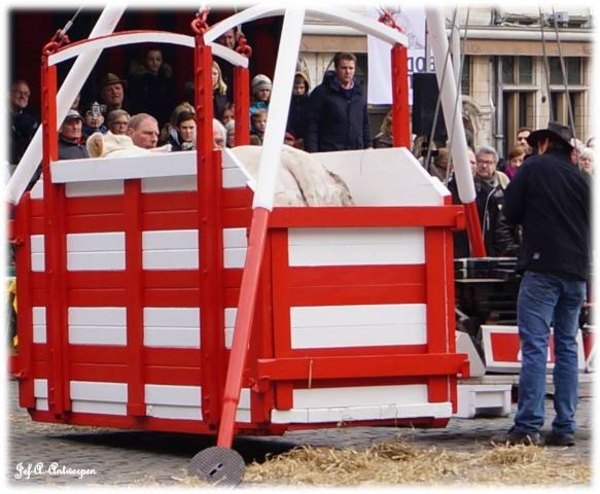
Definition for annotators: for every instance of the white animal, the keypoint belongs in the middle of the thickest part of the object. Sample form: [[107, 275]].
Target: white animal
[[302, 178], [117, 146]]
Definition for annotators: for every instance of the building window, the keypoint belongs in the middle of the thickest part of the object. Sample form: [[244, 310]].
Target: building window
[[517, 70], [572, 69], [465, 76], [560, 108]]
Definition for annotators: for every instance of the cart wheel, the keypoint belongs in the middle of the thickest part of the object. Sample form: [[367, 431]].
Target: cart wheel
[[216, 465]]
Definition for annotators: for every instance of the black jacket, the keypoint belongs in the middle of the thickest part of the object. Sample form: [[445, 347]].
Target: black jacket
[[337, 119], [551, 198], [70, 150], [500, 237]]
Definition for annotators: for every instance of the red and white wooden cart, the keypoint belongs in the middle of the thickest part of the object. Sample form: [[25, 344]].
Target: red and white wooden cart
[[131, 273]]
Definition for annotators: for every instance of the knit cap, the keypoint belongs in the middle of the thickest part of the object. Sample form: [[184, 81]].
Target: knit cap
[[259, 82]]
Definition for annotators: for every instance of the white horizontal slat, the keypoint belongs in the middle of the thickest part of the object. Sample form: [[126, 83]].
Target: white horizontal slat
[[234, 178], [96, 251], [98, 316], [38, 262], [37, 243], [169, 239], [41, 404], [40, 388], [230, 315], [98, 326], [349, 414], [168, 317], [402, 394], [102, 169], [235, 243], [172, 337], [98, 407], [169, 184], [234, 258], [174, 412], [39, 324], [95, 335], [99, 391], [170, 249], [96, 242], [355, 246], [358, 325], [104, 188], [96, 261], [170, 259], [172, 327], [168, 394]]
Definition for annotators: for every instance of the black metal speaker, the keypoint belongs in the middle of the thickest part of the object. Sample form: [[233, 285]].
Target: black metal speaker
[[425, 96]]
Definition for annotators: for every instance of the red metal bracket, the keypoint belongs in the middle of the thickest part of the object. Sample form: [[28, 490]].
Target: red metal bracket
[[243, 48], [55, 43], [199, 24]]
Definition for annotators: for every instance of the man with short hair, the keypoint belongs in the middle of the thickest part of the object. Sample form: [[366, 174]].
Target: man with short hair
[[337, 117], [112, 91], [551, 199], [143, 130], [522, 135], [23, 123]]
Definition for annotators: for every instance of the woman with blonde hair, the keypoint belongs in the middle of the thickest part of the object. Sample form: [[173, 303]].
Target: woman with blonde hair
[[220, 100]]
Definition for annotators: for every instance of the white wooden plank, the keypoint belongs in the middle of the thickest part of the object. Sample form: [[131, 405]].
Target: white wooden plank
[[356, 315], [168, 317], [174, 412], [172, 337], [359, 336], [99, 391], [169, 184], [40, 388], [402, 394], [98, 407], [96, 261], [235, 237], [349, 414], [234, 258], [38, 263], [97, 335], [42, 404], [96, 242], [38, 317], [103, 188], [170, 259], [170, 394], [100, 169], [355, 246], [37, 243], [169, 239], [230, 315], [98, 316]]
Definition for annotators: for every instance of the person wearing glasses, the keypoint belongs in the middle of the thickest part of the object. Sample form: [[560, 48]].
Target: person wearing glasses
[[117, 121], [23, 122]]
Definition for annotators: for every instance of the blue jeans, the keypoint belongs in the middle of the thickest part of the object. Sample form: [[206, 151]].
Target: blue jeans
[[545, 300]]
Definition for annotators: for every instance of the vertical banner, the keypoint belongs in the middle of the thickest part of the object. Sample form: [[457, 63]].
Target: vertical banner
[[412, 22]]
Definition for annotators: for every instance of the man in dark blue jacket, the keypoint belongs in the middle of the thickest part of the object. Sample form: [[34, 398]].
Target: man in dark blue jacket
[[337, 111], [550, 197]]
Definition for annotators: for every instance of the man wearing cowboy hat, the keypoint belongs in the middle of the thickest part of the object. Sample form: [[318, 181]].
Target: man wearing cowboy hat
[[112, 91], [550, 197]]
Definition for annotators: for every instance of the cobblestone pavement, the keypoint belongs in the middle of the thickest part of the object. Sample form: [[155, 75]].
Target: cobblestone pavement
[[125, 458]]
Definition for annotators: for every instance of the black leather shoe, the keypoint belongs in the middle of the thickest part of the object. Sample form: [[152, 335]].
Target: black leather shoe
[[514, 437], [559, 439]]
